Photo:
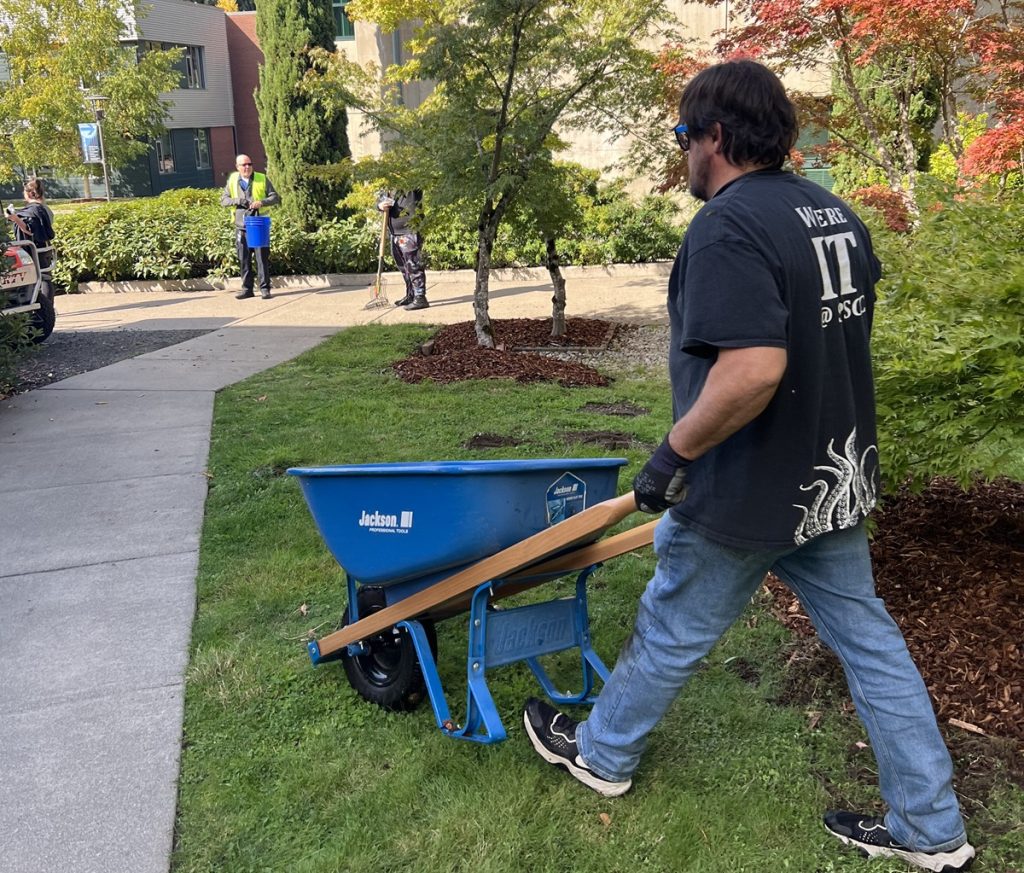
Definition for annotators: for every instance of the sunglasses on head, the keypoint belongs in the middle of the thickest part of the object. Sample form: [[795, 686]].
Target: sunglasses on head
[[682, 136]]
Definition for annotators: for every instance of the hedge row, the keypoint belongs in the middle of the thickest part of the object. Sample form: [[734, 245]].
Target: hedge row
[[186, 234]]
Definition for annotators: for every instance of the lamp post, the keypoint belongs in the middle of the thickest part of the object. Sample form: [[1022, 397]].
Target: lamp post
[[96, 102]]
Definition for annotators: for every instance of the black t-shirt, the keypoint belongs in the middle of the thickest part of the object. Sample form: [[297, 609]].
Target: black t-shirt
[[37, 217], [776, 260]]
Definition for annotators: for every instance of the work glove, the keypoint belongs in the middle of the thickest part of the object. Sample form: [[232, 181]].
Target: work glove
[[662, 481]]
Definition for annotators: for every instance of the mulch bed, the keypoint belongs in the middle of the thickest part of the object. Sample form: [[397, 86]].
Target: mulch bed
[[454, 356], [950, 567], [949, 564]]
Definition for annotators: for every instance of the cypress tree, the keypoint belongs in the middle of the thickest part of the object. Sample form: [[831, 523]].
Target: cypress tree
[[299, 133]]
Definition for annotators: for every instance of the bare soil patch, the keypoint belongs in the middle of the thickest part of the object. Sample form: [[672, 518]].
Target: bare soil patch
[[609, 439], [623, 409], [490, 441]]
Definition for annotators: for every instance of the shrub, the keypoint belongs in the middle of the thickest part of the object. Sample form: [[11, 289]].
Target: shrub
[[15, 342], [891, 205], [949, 349], [178, 235], [185, 234]]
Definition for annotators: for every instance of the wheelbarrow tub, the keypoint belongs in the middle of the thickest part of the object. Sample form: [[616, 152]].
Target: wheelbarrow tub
[[389, 523]]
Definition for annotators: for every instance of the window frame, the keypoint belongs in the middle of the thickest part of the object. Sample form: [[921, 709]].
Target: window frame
[[201, 143], [344, 27], [195, 68], [162, 157]]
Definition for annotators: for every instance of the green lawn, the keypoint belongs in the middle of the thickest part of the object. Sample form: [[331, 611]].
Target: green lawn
[[285, 769]]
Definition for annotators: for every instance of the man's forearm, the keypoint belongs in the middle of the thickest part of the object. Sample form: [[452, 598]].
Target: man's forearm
[[739, 386]]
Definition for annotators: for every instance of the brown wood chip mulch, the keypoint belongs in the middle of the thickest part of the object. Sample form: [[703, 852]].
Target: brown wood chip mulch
[[454, 355], [950, 567]]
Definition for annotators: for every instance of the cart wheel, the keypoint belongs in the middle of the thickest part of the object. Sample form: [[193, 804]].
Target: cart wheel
[[44, 318], [389, 673]]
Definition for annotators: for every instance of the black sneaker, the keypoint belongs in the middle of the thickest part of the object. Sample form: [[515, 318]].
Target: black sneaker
[[266, 295], [404, 301], [870, 835], [244, 294], [554, 737], [417, 303]]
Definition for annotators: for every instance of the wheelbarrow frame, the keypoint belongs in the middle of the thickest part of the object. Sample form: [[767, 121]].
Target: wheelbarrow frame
[[500, 637]]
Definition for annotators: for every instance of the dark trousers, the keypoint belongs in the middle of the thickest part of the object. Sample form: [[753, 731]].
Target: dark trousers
[[407, 250], [245, 257]]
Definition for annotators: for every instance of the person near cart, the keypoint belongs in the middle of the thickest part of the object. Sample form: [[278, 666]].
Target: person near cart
[[771, 465], [247, 192], [402, 208], [34, 221]]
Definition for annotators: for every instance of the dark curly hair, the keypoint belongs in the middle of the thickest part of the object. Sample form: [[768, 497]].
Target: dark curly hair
[[747, 99]]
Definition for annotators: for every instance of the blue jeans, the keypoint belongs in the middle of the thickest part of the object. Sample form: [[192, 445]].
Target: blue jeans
[[700, 588]]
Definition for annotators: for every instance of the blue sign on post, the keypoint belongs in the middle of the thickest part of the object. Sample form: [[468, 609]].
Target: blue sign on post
[[90, 136]]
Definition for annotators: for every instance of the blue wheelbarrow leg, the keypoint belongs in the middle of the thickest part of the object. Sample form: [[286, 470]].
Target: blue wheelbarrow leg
[[590, 661], [501, 637]]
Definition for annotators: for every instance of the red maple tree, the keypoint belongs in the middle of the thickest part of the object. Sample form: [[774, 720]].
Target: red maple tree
[[963, 55]]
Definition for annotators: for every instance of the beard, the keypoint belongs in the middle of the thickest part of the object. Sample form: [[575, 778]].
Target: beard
[[699, 181]]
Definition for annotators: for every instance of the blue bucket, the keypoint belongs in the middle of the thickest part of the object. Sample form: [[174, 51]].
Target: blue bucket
[[257, 231]]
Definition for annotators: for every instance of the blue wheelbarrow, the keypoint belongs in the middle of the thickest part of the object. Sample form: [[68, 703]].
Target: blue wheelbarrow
[[422, 542]]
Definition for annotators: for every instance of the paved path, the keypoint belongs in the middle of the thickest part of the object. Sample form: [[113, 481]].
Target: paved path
[[103, 488]]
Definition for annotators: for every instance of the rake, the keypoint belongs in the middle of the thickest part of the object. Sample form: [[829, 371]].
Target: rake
[[380, 297]]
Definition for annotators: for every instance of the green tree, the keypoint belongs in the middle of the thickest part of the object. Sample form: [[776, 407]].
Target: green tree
[[57, 52], [506, 73], [303, 134]]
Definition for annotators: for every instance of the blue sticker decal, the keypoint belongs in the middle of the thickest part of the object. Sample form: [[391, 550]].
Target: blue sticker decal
[[566, 497]]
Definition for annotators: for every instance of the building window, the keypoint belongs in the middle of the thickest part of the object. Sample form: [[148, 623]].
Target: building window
[[195, 77], [202, 141], [343, 28], [164, 155]]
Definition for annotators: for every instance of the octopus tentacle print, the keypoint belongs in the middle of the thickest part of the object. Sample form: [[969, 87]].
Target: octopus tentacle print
[[845, 502]]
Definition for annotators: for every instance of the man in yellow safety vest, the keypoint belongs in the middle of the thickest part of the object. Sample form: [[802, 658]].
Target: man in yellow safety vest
[[248, 192]]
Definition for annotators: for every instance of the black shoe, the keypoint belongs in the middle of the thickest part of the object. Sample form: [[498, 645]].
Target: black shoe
[[244, 294], [417, 303], [554, 737], [870, 835], [265, 295], [405, 301]]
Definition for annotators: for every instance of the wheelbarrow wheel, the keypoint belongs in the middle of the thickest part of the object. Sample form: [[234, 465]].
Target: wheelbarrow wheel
[[389, 673]]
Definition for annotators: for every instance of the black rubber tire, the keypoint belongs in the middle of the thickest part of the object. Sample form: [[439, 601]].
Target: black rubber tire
[[44, 318], [389, 674]]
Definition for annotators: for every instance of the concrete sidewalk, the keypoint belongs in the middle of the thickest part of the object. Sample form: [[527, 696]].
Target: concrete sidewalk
[[618, 293], [103, 488]]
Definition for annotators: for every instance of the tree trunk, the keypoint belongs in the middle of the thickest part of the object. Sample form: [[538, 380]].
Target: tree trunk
[[487, 231], [558, 283]]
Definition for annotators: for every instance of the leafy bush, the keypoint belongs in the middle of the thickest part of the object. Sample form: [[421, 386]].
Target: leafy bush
[[185, 234], [15, 341], [178, 235], [949, 348], [891, 205]]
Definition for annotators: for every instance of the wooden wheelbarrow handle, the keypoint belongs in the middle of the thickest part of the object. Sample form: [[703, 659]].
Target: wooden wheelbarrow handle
[[587, 524], [545, 571]]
